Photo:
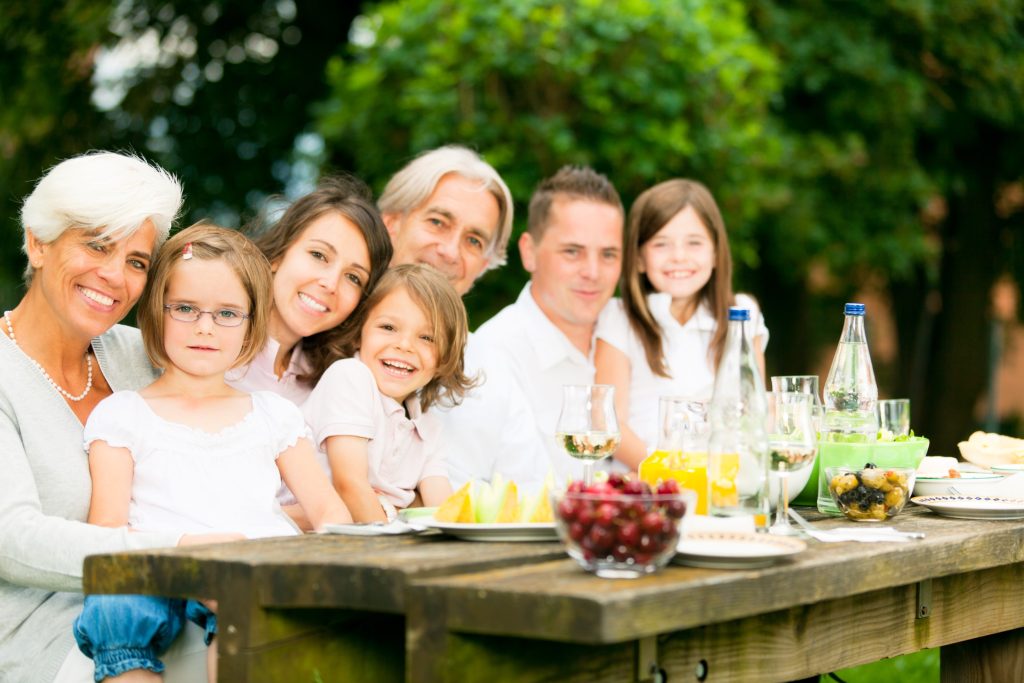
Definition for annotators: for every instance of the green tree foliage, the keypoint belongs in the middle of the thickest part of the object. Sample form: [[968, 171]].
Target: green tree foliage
[[639, 89], [907, 122], [46, 61]]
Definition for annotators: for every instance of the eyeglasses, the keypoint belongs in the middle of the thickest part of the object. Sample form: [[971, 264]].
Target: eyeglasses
[[187, 313]]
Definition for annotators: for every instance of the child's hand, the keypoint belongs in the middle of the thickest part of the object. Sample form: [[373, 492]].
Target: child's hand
[[203, 539]]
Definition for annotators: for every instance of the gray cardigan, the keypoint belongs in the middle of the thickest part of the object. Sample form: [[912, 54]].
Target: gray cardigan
[[44, 501]]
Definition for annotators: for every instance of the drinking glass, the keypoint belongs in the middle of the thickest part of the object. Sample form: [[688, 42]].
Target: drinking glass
[[587, 428], [807, 384], [894, 416], [792, 445]]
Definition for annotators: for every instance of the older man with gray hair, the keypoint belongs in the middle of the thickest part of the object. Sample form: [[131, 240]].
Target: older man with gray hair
[[450, 209]]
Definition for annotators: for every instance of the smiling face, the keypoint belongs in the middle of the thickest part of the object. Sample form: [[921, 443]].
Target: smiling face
[[202, 348], [575, 265], [397, 344], [453, 230], [320, 279], [88, 283], [680, 258]]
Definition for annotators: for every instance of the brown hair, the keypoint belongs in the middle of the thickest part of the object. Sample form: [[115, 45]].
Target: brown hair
[[351, 198], [649, 214], [570, 182], [443, 307], [209, 242]]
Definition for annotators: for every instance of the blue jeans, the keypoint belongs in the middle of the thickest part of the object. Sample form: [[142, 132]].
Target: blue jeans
[[125, 632]]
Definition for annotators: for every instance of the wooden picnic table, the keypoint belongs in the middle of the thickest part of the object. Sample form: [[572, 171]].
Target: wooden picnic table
[[429, 608]]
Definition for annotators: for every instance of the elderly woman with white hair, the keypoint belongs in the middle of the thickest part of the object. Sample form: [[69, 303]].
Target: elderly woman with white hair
[[91, 227]]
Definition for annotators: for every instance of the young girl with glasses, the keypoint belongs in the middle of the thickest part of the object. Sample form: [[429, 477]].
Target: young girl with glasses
[[370, 414], [189, 453], [667, 334]]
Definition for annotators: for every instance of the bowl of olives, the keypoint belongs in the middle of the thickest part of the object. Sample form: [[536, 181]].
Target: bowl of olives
[[870, 494]]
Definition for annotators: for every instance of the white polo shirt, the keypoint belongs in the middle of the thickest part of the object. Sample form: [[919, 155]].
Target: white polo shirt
[[685, 348], [507, 424]]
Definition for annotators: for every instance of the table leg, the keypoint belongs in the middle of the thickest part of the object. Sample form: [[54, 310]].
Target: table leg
[[991, 659]]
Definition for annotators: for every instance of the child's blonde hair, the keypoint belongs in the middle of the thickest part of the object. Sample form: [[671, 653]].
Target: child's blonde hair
[[443, 307], [209, 242]]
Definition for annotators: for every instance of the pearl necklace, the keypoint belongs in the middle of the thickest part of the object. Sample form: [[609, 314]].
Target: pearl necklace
[[62, 390]]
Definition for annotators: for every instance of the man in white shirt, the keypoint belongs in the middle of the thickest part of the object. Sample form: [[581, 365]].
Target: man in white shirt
[[448, 208], [529, 350]]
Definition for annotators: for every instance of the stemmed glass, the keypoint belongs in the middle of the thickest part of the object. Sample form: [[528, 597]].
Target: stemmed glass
[[792, 445], [587, 428]]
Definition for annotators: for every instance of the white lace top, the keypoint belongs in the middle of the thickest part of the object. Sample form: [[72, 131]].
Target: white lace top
[[191, 481]]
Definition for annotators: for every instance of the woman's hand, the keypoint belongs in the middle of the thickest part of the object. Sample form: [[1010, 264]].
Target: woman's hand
[[204, 539]]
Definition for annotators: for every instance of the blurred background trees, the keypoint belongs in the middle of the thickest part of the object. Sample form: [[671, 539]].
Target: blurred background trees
[[870, 148]]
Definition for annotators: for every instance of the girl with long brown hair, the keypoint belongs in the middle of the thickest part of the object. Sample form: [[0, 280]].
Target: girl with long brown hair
[[666, 335]]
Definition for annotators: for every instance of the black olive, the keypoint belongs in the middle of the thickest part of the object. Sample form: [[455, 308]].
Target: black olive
[[869, 466]]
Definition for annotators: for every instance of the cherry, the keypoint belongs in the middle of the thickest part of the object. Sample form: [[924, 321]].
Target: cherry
[[629, 533], [567, 509], [651, 522], [577, 531], [601, 538], [668, 486], [606, 514]]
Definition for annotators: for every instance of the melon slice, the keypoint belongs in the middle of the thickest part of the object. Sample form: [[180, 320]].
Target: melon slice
[[538, 508], [456, 508], [508, 511]]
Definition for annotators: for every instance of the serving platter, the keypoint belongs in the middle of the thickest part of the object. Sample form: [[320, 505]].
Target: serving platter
[[538, 531], [735, 550], [973, 507]]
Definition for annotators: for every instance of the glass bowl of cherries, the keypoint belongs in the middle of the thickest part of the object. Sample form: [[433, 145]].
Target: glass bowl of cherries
[[621, 528]]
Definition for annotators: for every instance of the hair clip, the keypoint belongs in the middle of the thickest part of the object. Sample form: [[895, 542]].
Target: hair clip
[[186, 253]]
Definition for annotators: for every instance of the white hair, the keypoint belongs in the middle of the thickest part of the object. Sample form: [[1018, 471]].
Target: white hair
[[418, 179], [107, 192]]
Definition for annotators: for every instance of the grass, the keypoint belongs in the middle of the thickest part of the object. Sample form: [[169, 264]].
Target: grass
[[919, 667]]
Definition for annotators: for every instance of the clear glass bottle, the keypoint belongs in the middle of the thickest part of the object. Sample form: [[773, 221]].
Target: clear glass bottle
[[738, 448], [851, 394], [851, 398]]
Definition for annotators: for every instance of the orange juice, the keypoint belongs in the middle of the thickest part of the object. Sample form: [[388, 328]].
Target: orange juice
[[723, 480], [688, 469]]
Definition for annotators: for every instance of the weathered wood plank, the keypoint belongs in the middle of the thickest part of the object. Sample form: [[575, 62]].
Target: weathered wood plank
[[994, 659], [778, 646], [552, 599], [325, 571]]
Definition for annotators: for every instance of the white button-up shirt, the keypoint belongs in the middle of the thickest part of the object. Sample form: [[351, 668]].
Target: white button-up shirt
[[507, 424]]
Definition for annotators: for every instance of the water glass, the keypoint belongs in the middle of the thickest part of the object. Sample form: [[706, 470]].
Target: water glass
[[804, 384], [894, 416]]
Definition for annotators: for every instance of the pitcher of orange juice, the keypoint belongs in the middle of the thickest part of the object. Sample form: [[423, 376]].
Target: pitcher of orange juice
[[682, 448]]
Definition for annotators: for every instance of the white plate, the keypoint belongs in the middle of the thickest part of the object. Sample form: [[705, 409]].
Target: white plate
[[1007, 469], [539, 531], [395, 528], [939, 486], [726, 550], [973, 507]]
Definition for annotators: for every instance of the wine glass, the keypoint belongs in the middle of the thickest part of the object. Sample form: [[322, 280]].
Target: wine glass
[[792, 445], [587, 428]]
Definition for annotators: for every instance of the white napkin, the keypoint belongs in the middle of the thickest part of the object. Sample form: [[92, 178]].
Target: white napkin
[[871, 534]]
